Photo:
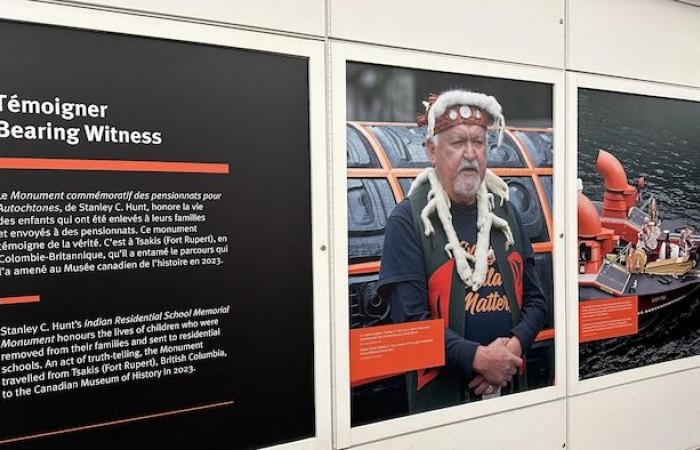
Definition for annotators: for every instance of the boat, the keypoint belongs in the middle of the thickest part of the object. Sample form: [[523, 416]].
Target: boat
[[627, 249]]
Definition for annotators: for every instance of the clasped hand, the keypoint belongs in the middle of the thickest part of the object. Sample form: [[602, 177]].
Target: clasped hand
[[496, 364]]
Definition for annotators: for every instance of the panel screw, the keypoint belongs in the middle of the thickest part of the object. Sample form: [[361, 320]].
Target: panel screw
[[323, 248], [561, 21], [561, 235], [563, 445]]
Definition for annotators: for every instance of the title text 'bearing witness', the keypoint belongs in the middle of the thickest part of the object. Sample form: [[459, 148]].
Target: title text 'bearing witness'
[[67, 111]]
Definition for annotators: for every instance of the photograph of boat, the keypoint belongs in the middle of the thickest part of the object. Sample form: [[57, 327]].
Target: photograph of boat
[[639, 226], [625, 247]]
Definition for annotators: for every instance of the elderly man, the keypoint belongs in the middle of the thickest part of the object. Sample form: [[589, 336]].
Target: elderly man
[[454, 250]]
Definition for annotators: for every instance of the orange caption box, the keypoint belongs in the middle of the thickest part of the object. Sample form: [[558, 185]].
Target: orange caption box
[[391, 349], [608, 318]]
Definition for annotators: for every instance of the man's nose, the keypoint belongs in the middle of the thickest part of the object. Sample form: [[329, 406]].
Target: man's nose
[[469, 151]]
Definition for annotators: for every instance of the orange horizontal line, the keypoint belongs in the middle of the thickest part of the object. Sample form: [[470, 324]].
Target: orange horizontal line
[[20, 299], [112, 165], [367, 173], [542, 247], [406, 173], [545, 335], [116, 422], [361, 268]]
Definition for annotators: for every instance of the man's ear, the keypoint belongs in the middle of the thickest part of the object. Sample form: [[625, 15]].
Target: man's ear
[[430, 151]]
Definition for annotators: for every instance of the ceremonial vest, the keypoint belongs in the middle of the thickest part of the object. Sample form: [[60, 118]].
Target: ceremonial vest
[[436, 387]]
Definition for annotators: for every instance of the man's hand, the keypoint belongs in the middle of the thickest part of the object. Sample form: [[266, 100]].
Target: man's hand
[[496, 362], [514, 346], [481, 385]]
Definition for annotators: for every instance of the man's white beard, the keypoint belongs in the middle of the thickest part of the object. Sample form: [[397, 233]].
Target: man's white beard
[[467, 186], [467, 183]]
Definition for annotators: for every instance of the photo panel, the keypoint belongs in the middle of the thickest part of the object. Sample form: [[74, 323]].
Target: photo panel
[[638, 246], [395, 353]]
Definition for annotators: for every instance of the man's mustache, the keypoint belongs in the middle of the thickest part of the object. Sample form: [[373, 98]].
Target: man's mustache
[[474, 165]]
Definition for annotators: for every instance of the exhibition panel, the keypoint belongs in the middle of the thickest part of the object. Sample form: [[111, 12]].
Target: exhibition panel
[[326, 224], [634, 308], [142, 235], [394, 358]]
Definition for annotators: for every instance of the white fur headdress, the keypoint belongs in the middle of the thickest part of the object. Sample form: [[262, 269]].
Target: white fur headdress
[[462, 97]]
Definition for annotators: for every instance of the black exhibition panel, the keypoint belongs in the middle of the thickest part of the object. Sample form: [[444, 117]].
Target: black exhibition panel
[[156, 262]]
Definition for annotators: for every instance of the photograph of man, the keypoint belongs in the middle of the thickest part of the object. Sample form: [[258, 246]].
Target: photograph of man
[[455, 249]]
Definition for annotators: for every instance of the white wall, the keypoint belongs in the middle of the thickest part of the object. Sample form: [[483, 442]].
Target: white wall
[[297, 16], [656, 40], [512, 30], [535, 427], [660, 413]]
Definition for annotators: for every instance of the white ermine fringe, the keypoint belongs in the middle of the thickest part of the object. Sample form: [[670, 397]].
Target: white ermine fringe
[[495, 184], [439, 202]]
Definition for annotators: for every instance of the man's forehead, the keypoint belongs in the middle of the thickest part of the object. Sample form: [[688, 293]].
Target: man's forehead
[[465, 131]]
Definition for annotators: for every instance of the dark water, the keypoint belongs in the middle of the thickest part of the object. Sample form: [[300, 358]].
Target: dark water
[[659, 139], [652, 137]]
